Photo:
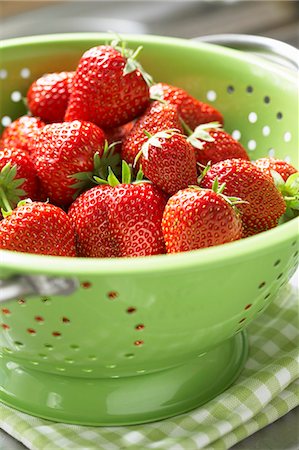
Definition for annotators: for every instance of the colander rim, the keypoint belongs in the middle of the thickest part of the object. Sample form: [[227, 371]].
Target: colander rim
[[205, 258], [155, 39], [250, 247]]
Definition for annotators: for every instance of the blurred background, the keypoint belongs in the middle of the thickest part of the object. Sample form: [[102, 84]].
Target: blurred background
[[181, 18]]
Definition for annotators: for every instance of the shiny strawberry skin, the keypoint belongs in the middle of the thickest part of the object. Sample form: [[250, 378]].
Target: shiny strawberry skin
[[199, 218], [136, 216], [223, 147], [89, 215], [244, 180], [102, 94], [48, 96], [119, 134], [64, 149], [25, 169], [157, 117], [39, 228], [191, 110], [282, 167], [171, 167], [20, 133], [119, 221]]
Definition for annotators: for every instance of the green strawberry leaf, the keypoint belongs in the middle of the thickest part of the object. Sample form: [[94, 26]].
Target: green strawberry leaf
[[204, 171], [140, 175], [154, 140], [126, 173], [278, 180], [99, 180], [112, 180], [101, 164], [290, 192], [292, 184], [201, 134], [131, 63], [10, 191]]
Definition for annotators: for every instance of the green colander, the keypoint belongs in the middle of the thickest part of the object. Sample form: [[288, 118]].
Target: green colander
[[138, 340]]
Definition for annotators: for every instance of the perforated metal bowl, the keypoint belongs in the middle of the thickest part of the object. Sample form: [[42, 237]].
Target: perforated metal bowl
[[142, 339]]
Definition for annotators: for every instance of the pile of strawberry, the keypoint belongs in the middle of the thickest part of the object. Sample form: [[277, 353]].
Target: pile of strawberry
[[109, 164]]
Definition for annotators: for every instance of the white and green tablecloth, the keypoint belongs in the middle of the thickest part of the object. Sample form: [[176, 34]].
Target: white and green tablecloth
[[267, 389]]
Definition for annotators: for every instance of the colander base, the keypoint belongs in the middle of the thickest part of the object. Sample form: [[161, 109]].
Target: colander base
[[124, 400]]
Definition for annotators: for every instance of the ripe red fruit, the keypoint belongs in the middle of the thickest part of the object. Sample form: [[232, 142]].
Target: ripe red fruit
[[24, 170], [64, 149], [118, 135], [195, 218], [265, 204], [192, 111], [20, 133], [109, 88], [158, 117], [168, 160], [282, 167], [119, 220], [212, 144], [48, 96], [37, 227]]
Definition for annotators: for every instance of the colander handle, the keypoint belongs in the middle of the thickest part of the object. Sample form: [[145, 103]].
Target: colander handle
[[42, 285], [271, 49]]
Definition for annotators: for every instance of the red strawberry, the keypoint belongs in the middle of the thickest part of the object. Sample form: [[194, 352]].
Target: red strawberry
[[168, 160], [36, 227], [282, 167], [196, 218], [24, 170], [212, 144], [192, 111], [118, 135], [48, 96], [158, 117], [19, 134], [63, 149], [265, 204], [286, 179], [109, 87], [119, 220]]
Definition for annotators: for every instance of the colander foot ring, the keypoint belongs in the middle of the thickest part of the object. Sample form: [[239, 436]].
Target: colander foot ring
[[125, 400]]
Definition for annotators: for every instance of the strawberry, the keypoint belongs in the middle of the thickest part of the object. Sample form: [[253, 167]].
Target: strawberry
[[20, 133], [212, 144], [168, 160], [118, 135], [195, 218], [119, 219], [17, 171], [286, 179], [110, 88], [265, 204], [282, 167], [61, 150], [158, 117], [192, 111], [48, 96], [36, 227]]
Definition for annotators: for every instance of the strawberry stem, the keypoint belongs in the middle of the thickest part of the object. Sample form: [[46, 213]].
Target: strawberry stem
[[186, 128], [204, 171]]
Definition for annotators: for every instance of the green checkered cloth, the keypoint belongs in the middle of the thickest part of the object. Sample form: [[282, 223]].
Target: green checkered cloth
[[267, 389]]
